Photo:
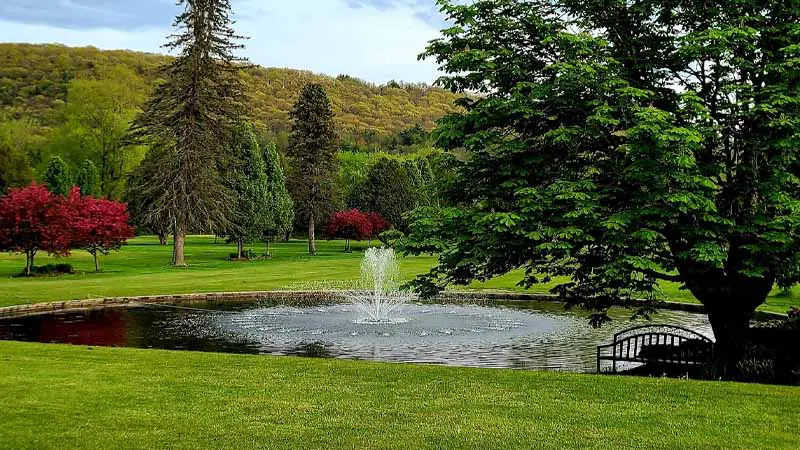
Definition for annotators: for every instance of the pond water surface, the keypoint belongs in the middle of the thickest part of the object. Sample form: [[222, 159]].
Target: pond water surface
[[529, 335]]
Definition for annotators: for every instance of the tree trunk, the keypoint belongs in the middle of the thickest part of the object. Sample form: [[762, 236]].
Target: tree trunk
[[96, 262], [239, 249], [179, 241], [162, 238], [347, 245], [29, 255], [731, 327], [268, 254], [312, 243], [729, 302]]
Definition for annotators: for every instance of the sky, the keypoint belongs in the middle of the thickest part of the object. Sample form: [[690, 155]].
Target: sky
[[375, 40]]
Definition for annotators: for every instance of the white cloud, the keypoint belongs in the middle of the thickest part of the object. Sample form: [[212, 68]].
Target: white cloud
[[327, 36]]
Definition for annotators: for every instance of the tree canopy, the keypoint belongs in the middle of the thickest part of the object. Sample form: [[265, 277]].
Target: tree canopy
[[619, 144], [190, 119], [388, 190], [57, 176], [246, 176], [35, 81], [312, 152], [280, 207]]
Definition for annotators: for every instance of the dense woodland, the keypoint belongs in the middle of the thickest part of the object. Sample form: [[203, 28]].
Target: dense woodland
[[66, 116], [35, 84]]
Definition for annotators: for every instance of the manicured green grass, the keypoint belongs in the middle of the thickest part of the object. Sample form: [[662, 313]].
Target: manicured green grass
[[56, 396], [141, 268]]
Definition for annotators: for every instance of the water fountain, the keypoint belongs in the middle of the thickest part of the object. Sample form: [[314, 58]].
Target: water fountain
[[379, 322], [381, 296]]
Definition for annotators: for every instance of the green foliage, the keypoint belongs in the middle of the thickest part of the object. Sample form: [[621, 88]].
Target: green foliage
[[57, 177], [246, 177], [97, 116], [620, 146], [387, 189], [15, 170], [35, 80], [88, 179], [190, 119], [140, 195], [312, 152], [280, 207]]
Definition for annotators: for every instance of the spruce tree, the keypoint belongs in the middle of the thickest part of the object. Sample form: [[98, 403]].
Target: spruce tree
[[312, 151], [56, 176], [88, 178], [189, 122], [280, 213]]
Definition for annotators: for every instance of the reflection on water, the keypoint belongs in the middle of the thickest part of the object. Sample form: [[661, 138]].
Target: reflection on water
[[529, 335]]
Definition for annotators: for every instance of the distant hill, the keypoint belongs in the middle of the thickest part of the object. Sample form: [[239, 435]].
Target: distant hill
[[34, 80]]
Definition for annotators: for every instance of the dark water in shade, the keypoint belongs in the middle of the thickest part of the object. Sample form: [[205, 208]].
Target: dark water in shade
[[531, 335]]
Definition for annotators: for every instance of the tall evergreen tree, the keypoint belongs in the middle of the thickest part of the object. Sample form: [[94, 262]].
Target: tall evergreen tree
[[247, 178], [312, 151], [88, 179], [56, 176], [280, 212], [189, 122]]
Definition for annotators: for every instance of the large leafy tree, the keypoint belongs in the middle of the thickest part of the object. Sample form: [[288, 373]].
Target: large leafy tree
[[97, 115], [312, 151], [620, 144], [189, 122], [15, 138]]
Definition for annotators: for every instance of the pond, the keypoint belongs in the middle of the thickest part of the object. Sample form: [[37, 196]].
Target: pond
[[525, 335]]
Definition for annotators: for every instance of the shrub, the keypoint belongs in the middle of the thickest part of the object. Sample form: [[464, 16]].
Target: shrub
[[54, 269]]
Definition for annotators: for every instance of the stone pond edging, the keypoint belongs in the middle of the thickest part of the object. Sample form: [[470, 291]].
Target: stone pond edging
[[298, 297]]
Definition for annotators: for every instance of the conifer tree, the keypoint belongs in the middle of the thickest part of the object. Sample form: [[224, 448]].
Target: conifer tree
[[56, 176], [312, 150], [280, 213], [88, 178], [247, 178], [189, 122]]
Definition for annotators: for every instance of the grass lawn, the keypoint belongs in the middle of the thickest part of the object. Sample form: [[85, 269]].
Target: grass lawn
[[141, 268], [57, 396]]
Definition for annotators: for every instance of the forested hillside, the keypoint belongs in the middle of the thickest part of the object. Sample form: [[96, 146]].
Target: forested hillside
[[35, 82]]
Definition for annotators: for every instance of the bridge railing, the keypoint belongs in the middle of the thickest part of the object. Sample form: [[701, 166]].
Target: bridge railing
[[660, 344]]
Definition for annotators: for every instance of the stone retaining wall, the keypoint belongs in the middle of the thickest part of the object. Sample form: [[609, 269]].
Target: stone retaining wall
[[299, 298]]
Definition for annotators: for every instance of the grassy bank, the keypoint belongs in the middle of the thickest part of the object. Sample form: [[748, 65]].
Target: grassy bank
[[141, 268], [56, 396]]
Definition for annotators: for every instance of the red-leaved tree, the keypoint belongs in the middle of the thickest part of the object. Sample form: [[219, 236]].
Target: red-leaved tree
[[348, 225], [32, 220], [100, 225], [379, 224]]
